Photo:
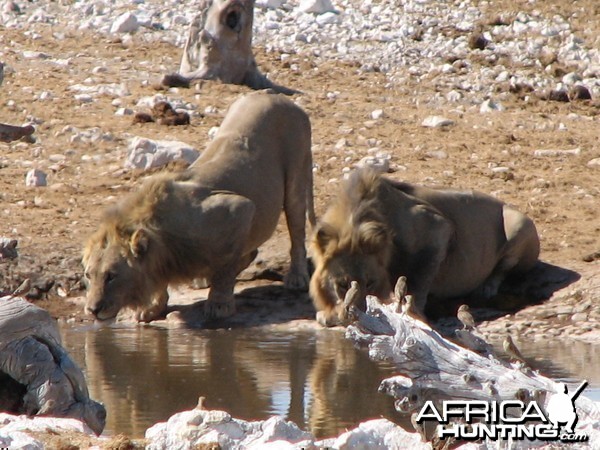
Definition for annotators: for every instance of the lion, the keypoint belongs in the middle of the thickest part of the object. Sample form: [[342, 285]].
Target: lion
[[447, 243], [208, 221]]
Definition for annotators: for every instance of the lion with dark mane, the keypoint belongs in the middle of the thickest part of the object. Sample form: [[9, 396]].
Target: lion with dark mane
[[208, 221], [447, 243]]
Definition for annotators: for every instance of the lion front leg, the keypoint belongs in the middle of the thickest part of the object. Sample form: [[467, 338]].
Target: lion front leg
[[157, 308], [295, 207], [221, 302]]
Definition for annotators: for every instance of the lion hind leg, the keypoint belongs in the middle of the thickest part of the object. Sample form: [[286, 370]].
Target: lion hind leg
[[522, 241], [520, 252]]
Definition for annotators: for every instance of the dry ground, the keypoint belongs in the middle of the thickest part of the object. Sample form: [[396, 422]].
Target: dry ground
[[51, 223]]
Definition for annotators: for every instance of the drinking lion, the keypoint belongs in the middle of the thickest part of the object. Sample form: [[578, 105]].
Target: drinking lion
[[209, 220], [447, 243]]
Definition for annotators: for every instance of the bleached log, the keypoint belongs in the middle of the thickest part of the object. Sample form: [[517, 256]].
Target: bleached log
[[433, 368], [31, 354]]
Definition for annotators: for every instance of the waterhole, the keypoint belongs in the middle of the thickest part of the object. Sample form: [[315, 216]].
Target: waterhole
[[317, 379]]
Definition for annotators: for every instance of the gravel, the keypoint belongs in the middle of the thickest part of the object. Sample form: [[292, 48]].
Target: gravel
[[427, 40]]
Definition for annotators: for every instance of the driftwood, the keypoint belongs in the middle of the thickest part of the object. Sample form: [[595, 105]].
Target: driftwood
[[435, 369], [38, 376], [9, 133], [219, 47], [8, 248]]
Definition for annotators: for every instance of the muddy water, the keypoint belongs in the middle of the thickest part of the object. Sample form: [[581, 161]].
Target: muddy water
[[317, 379], [143, 375]]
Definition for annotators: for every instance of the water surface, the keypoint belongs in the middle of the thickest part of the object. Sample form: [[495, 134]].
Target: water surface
[[317, 379]]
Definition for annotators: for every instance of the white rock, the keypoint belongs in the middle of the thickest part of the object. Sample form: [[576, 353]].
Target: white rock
[[595, 163], [453, 96], [377, 114], [35, 55], [490, 106], [124, 112], [276, 429], [125, 23], [316, 6], [544, 153], [35, 178], [146, 153], [328, 18], [20, 440], [379, 434], [84, 98], [437, 154], [379, 163], [437, 122], [271, 4]]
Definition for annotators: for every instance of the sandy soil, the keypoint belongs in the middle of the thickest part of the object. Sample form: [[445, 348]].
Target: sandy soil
[[561, 193]]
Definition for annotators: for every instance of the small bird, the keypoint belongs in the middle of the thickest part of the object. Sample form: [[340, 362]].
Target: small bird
[[351, 299], [408, 306], [400, 289], [23, 288], [511, 349], [465, 317]]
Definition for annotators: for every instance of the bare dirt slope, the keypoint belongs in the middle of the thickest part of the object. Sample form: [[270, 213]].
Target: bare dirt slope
[[560, 192]]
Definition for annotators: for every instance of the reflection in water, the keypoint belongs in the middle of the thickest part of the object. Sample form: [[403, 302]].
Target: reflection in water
[[571, 362], [143, 375]]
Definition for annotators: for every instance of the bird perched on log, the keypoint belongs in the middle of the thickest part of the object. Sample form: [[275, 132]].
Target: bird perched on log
[[200, 406], [465, 317], [351, 299], [511, 349], [400, 289]]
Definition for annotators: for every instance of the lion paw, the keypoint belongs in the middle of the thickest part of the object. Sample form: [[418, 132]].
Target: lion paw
[[219, 310], [326, 319], [296, 281], [147, 315]]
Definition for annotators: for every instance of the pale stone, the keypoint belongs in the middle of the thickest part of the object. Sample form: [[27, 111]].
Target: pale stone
[[437, 122], [146, 153]]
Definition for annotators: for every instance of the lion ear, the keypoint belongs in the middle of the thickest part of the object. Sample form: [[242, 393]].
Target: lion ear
[[324, 236], [138, 244], [372, 237]]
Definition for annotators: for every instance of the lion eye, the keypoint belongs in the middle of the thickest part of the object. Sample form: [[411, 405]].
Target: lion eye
[[87, 275], [343, 284], [110, 276]]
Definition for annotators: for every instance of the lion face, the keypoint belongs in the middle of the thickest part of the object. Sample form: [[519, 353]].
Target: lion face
[[341, 258], [115, 274]]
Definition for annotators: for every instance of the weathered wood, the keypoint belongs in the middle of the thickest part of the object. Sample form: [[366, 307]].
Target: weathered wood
[[9, 133], [435, 369], [31, 354], [8, 248]]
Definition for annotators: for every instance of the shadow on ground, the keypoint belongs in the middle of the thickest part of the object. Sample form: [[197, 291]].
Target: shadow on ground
[[255, 306], [516, 293]]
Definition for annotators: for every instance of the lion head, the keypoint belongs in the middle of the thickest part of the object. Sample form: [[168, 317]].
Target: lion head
[[351, 243], [116, 272], [128, 260]]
